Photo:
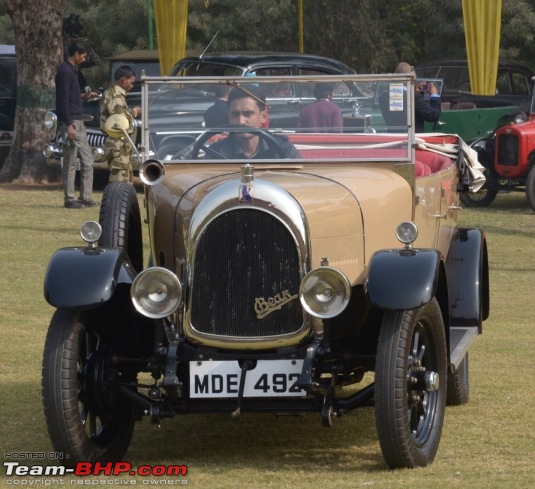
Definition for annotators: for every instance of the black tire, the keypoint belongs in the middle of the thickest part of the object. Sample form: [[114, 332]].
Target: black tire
[[483, 198], [486, 194], [459, 384], [530, 188], [409, 416], [86, 420], [121, 221]]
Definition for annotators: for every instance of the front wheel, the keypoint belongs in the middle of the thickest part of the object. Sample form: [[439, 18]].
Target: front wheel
[[483, 198], [486, 194], [121, 222], [410, 385], [87, 419]]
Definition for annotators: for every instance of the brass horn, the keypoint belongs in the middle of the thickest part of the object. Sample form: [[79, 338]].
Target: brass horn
[[151, 172]]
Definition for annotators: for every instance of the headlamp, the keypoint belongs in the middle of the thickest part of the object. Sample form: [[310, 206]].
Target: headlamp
[[407, 232], [156, 292], [91, 232], [51, 124], [325, 292]]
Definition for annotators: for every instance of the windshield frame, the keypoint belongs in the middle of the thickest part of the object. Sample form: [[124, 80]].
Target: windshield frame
[[152, 86]]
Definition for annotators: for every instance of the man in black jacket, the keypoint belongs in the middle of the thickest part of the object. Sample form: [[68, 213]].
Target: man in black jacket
[[70, 117], [217, 114], [424, 110]]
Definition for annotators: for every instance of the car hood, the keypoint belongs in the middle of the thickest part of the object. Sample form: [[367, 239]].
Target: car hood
[[329, 206]]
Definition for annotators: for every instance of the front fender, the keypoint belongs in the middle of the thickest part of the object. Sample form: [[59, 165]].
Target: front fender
[[468, 278], [484, 147], [402, 279], [83, 278]]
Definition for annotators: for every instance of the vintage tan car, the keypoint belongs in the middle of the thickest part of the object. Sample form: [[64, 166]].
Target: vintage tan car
[[290, 271]]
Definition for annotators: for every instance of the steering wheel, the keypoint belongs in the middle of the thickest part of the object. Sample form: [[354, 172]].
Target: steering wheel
[[271, 140]]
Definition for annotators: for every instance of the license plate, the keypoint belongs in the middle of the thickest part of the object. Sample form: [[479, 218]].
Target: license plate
[[270, 378]]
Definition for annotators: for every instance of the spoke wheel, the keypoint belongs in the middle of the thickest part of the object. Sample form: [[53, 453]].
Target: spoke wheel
[[486, 194], [87, 420], [483, 198], [410, 385]]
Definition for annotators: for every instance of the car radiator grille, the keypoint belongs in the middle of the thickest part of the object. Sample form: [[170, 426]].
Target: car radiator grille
[[507, 150], [243, 256], [96, 140]]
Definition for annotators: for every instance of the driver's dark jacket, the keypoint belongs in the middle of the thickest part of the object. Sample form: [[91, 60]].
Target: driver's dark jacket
[[230, 148]]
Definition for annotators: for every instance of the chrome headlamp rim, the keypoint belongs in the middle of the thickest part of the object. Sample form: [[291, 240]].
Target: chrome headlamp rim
[[99, 155], [324, 292], [91, 231], [406, 232], [520, 117], [156, 292], [51, 124]]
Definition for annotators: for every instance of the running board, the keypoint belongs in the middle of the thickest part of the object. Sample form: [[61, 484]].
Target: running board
[[461, 338]]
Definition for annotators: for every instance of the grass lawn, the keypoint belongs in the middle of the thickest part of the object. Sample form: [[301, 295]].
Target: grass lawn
[[488, 443]]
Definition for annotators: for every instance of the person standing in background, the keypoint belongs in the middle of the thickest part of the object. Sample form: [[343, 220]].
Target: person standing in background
[[119, 151], [70, 118], [217, 115], [424, 110], [323, 115]]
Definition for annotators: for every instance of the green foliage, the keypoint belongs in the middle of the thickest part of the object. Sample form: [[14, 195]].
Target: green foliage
[[243, 26], [368, 35], [111, 28]]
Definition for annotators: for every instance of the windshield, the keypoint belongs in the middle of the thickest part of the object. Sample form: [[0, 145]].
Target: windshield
[[276, 118]]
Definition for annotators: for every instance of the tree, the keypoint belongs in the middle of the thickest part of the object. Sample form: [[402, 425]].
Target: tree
[[38, 39]]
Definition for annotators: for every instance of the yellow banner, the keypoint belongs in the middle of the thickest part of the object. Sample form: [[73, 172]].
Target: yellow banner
[[171, 20], [482, 28]]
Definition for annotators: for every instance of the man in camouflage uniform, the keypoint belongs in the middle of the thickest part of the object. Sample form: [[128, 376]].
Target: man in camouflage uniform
[[119, 151]]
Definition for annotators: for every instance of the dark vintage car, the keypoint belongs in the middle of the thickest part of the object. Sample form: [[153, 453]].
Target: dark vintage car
[[327, 274], [8, 98], [247, 64], [508, 156], [513, 83], [8, 88]]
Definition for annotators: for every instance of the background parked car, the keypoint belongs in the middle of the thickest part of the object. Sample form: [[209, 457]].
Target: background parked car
[[508, 155], [8, 98], [513, 83]]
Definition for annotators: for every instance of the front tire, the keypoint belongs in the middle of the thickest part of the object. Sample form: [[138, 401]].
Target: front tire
[[86, 419], [410, 385], [483, 198], [120, 220], [486, 194]]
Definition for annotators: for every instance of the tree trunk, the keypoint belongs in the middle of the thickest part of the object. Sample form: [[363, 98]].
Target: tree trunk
[[39, 44]]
